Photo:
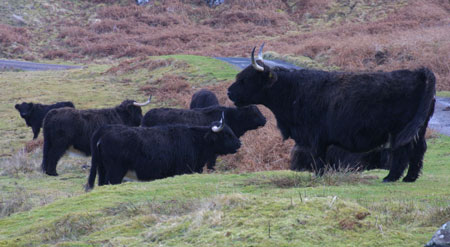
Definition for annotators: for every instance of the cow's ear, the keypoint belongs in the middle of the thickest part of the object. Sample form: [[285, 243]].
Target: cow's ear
[[131, 108], [272, 78], [17, 106], [210, 137]]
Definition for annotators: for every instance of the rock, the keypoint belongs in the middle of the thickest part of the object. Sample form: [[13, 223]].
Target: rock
[[381, 57], [19, 19], [142, 2], [441, 238], [213, 3]]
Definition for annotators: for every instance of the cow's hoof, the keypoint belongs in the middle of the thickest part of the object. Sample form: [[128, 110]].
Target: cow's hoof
[[52, 173], [388, 180], [409, 180]]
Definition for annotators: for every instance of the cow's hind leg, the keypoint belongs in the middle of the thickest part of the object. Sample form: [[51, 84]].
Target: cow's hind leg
[[398, 162], [115, 174], [416, 160], [52, 153], [320, 162]]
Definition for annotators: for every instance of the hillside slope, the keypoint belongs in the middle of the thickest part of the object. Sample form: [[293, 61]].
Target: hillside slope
[[350, 35], [228, 207], [253, 209]]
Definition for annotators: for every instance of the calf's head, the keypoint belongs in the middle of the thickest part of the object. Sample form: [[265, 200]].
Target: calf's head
[[253, 83], [222, 139], [131, 112], [246, 118], [25, 109]]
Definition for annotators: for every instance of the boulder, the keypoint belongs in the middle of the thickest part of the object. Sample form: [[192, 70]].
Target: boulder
[[213, 3], [441, 238]]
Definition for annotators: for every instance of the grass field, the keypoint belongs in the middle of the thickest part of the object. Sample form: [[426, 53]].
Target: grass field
[[230, 207]]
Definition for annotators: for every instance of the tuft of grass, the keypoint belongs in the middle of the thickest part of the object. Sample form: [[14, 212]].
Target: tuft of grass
[[17, 201], [69, 228], [301, 61], [18, 164], [301, 179]]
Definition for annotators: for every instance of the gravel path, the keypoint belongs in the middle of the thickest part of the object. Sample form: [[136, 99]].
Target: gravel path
[[29, 66], [441, 117]]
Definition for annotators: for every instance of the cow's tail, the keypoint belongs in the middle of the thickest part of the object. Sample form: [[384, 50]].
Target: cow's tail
[[423, 111], [96, 158]]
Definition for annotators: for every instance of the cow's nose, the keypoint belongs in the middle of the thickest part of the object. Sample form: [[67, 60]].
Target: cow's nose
[[229, 95]]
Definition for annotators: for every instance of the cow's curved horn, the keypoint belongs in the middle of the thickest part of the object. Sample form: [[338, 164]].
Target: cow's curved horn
[[145, 103], [260, 56], [255, 65], [221, 126]]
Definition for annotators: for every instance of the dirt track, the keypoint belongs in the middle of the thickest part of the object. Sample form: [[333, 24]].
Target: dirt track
[[29, 66]]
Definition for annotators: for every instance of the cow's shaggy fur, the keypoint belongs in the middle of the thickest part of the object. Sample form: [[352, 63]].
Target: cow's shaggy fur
[[203, 98], [240, 119], [358, 112], [155, 152], [66, 127]]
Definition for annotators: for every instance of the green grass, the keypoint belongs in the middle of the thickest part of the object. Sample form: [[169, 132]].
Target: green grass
[[202, 209], [237, 209], [206, 70], [443, 94]]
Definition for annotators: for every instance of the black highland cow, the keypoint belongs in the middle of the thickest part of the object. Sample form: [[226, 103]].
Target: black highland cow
[[66, 127], [358, 112], [240, 120], [34, 113], [203, 98], [156, 152]]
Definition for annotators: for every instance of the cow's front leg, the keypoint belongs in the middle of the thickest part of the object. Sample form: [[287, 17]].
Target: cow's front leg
[[301, 159]]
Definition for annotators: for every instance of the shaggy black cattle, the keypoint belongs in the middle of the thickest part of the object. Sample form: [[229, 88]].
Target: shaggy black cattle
[[203, 98], [34, 113], [240, 119], [66, 127], [156, 152], [358, 112]]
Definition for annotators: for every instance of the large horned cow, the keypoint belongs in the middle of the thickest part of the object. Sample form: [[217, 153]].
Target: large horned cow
[[156, 152], [66, 127], [358, 112]]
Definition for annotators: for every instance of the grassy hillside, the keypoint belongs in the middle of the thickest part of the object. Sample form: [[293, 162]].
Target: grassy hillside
[[350, 35], [228, 207], [252, 209]]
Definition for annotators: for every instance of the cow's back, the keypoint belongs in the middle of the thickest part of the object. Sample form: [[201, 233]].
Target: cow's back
[[154, 153], [165, 116]]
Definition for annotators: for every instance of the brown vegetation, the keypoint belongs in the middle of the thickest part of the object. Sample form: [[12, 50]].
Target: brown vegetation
[[353, 35], [13, 40]]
